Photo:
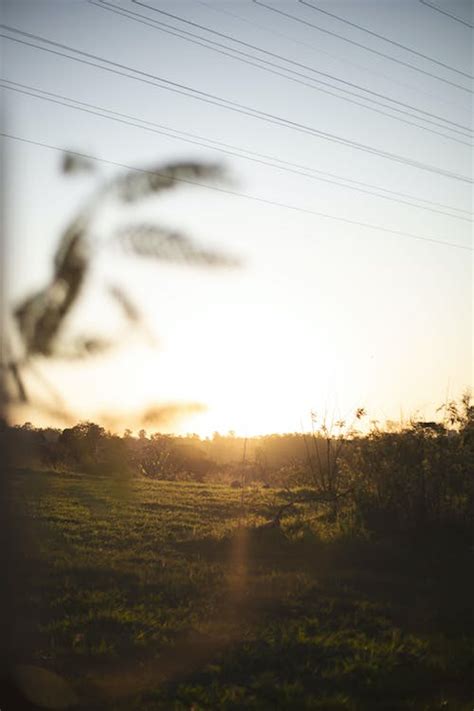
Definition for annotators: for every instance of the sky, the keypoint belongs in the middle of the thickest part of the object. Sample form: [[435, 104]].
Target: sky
[[325, 312]]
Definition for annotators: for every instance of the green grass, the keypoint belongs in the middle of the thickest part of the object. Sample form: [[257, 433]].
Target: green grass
[[145, 595]]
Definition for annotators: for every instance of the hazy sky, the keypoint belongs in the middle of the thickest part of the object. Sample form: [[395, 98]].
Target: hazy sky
[[324, 313]]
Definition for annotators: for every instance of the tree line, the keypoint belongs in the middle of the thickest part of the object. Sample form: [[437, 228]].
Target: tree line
[[415, 477]]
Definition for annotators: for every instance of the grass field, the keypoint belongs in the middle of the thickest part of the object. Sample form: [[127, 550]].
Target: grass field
[[150, 595]]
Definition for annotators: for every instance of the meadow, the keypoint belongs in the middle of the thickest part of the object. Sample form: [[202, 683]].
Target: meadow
[[280, 259], [151, 594]]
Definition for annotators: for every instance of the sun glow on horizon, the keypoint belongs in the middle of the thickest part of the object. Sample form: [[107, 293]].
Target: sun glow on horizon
[[345, 297]]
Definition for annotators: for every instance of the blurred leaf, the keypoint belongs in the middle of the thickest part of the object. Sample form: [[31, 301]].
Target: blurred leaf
[[40, 316], [136, 185], [129, 309], [162, 414], [72, 252], [159, 415], [73, 163], [83, 347], [148, 240], [18, 380]]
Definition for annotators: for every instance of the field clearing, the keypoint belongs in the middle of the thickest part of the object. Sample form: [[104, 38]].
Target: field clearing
[[149, 595]]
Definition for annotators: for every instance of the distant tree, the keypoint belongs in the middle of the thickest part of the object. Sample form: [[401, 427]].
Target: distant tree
[[420, 476]]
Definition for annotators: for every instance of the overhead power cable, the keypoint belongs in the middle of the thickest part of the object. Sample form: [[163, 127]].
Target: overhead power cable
[[361, 46], [206, 97], [228, 149], [254, 198], [290, 61], [205, 42], [318, 50], [286, 59], [385, 39], [448, 14]]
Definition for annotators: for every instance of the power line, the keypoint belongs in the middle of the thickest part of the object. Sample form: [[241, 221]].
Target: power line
[[448, 14], [362, 46], [318, 50], [236, 151], [254, 198], [159, 25], [385, 39], [206, 42], [232, 106], [212, 143]]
